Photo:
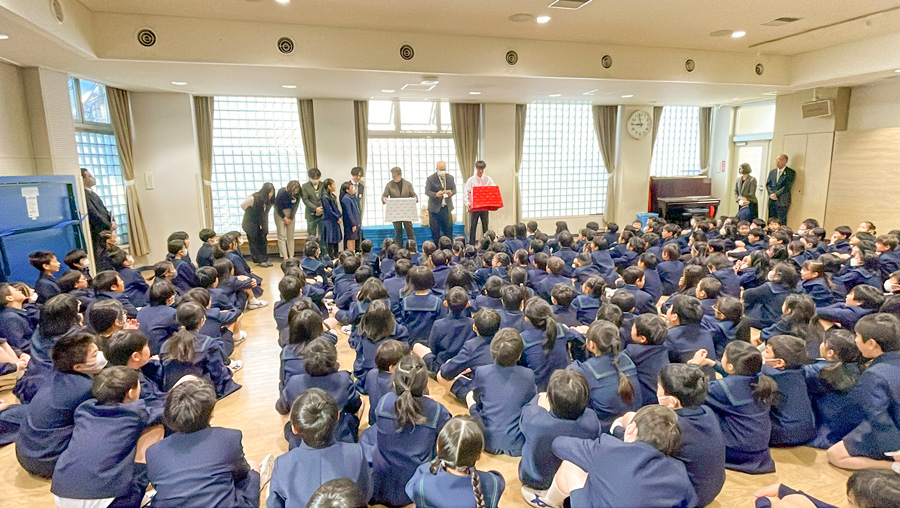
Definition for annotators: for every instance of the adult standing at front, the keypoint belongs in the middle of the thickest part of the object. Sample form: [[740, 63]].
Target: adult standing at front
[[398, 187], [311, 194], [440, 188], [477, 180], [256, 222], [286, 202], [779, 184], [99, 218], [745, 187]]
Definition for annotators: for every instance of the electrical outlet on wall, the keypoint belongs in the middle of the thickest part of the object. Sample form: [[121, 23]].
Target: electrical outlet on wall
[[148, 181]]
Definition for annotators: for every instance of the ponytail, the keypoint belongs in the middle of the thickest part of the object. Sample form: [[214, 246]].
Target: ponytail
[[180, 346], [540, 315], [476, 488], [410, 381], [605, 337], [838, 376], [748, 362], [764, 390]]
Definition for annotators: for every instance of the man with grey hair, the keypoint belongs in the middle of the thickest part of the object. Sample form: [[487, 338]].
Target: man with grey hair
[[779, 184], [440, 188], [400, 188], [477, 180]]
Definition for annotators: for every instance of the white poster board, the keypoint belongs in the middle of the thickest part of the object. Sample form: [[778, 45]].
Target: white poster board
[[401, 210]]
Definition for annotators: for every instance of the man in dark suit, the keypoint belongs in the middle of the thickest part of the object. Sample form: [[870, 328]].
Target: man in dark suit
[[99, 217], [779, 184], [440, 188], [311, 195]]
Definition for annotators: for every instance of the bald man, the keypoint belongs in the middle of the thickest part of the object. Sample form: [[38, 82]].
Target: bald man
[[779, 184], [440, 188]]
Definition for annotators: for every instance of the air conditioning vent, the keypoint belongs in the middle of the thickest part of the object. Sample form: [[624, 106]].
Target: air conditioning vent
[[816, 109], [780, 21], [569, 4], [407, 52], [146, 37], [286, 45], [512, 58]]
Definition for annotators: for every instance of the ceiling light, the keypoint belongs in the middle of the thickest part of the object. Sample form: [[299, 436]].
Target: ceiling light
[[283, 1], [738, 34], [179, 83], [555, 95], [735, 98], [721, 33], [288, 86], [898, 70], [770, 93], [388, 91], [543, 19], [627, 96], [474, 93], [3, 37], [521, 17], [592, 92], [429, 80]]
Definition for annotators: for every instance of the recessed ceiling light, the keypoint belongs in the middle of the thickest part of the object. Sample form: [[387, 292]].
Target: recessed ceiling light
[[283, 1], [388, 91], [521, 17], [898, 70], [738, 34], [543, 19], [179, 83], [429, 80], [735, 98], [721, 33], [627, 96], [288, 86], [3, 37], [591, 92], [770, 93], [474, 93], [555, 95]]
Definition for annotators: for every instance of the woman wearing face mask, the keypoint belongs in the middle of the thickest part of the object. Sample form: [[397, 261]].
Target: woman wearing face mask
[[745, 187], [256, 222], [311, 194]]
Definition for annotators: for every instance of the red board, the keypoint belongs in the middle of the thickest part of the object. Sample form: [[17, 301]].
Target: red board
[[486, 198]]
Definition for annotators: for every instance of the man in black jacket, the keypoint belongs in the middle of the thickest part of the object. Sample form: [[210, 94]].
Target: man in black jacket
[[99, 217], [779, 184], [440, 188]]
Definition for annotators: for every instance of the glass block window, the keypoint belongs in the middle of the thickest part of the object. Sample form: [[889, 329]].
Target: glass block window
[[677, 148], [255, 140], [97, 152], [562, 171], [412, 135]]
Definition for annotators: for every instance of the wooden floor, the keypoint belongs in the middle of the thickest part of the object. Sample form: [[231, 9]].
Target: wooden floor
[[252, 410]]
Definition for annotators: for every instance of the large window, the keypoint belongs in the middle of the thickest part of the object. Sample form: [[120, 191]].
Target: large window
[[413, 135], [255, 140], [96, 144], [562, 171], [677, 149]]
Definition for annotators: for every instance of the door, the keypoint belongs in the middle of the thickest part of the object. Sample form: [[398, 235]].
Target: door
[[756, 154]]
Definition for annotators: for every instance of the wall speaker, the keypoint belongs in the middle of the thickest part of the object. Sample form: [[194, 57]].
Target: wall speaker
[[57, 9], [407, 52], [689, 65], [606, 61], [760, 69], [512, 58], [146, 37], [286, 45]]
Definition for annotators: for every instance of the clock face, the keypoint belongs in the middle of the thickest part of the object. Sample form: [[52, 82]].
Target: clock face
[[639, 124]]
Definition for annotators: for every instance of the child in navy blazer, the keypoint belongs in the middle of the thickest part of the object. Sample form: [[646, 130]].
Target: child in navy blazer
[[108, 285], [830, 382], [199, 465], [220, 325], [206, 252], [670, 268], [562, 296], [587, 303], [456, 374], [15, 325], [130, 348], [305, 326], [372, 289], [799, 320], [686, 335], [449, 334], [230, 243], [634, 282], [499, 392], [441, 269], [648, 353], [584, 270], [537, 274], [135, 286], [347, 284], [99, 462], [46, 263], [231, 290], [728, 324], [420, 307], [511, 314], [378, 380], [864, 269], [561, 411], [77, 260], [762, 305], [157, 321], [653, 285], [793, 422], [860, 301], [290, 288], [817, 283], [721, 269], [451, 480], [554, 276], [707, 292], [878, 339], [624, 301], [186, 277], [545, 341], [377, 324], [318, 459]]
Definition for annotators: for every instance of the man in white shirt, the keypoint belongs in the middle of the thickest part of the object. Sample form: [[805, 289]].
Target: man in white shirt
[[477, 180]]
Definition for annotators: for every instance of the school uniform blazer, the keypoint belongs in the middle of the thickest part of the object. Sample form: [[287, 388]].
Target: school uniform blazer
[[207, 364], [603, 379], [780, 327], [702, 451], [486, 302], [340, 387], [440, 277], [722, 332], [136, 287], [819, 291], [781, 187], [846, 315], [643, 302], [836, 413], [376, 385], [351, 215], [282, 308], [203, 468], [603, 260], [619, 471], [158, 323], [731, 283], [433, 185], [474, 353], [544, 288], [626, 258], [418, 314], [130, 309], [330, 215], [46, 288], [205, 255], [762, 305], [288, 489], [448, 335], [708, 305], [583, 273], [400, 451], [542, 362], [878, 392], [793, 422], [366, 349], [648, 361], [745, 423], [685, 340], [669, 274], [352, 315], [652, 285], [16, 328], [566, 315], [313, 268], [512, 245], [186, 276], [586, 308], [841, 247], [291, 364], [854, 277], [512, 319], [99, 461], [500, 394], [445, 490], [387, 268], [625, 329], [749, 279], [889, 261]]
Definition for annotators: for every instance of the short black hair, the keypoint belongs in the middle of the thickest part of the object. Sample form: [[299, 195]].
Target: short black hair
[[74, 257], [68, 280], [632, 274], [160, 292], [869, 296], [175, 246], [512, 297], [71, 350], [122, 344], [568, 393], [457, 299], [206, 234], [339, 493], [564, 294], [652, 327], [487, 322], [207, 276], [320, 357], [688, 309], [289, 287], [111, 385], [687, 382], [189, 406], [884, 329], [507, 347], [314, 415], [366, 246], [711, 286], [40, 258], [104, 314], [389, 352], [624, 300], [117, 259], [363, 273], [105, 280]]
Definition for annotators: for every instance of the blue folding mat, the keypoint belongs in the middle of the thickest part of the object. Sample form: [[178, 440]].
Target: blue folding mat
[[36, 213]]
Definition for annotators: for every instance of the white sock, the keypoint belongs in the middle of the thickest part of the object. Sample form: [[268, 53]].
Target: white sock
[[555, 496], [254, 301]]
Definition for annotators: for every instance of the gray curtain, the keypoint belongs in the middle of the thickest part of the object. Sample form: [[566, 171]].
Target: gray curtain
[[605, 119], [361, 122], [657, 118], [120, 113], [204, 108], [705, 138], [465, 120], [308, 131], [521, 117]]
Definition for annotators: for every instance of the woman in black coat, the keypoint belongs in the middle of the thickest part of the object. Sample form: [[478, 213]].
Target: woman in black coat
[[256, 222]]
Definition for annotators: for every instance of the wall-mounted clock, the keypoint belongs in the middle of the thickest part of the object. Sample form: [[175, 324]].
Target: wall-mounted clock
[[640, 123]]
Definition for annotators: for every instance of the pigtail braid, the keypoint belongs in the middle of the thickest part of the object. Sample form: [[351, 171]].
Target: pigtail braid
[[476, 487]]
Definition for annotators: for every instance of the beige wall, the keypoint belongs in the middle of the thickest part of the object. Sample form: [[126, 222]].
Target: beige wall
[[498, 150], [16, 151], [875, 106], [723, 179]]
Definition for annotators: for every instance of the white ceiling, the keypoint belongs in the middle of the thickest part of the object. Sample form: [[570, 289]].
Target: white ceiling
[[655, 23]]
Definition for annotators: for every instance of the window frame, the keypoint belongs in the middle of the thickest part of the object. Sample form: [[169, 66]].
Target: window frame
[[398, 132], [697, 171]]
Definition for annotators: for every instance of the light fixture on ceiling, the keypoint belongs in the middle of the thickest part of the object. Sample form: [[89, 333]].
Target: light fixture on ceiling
[[179, 83], [429, 80], [898, 70], [474, 93], [590, 92], [555, 95], [627, 96], [3, 37], [283, 1], [289, 86], [738, 34], [721, 33], [770, 93], [735, 98], [388, 91], [521, 17], [543, 19]]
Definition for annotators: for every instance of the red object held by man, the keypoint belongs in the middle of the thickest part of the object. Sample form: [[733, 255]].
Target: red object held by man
[[486, 198]]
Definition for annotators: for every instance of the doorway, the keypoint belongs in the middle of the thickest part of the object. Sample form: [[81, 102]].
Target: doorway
[[756, 154]]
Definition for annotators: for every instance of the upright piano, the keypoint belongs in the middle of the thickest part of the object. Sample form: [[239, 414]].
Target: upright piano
[[676, 199]]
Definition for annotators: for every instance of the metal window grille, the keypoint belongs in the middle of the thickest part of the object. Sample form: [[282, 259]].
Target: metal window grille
[[677, 151]]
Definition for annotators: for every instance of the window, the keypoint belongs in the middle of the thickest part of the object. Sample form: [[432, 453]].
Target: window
[[562, 168], [255, 140], [677, 150], [96, 145], [414, 136]]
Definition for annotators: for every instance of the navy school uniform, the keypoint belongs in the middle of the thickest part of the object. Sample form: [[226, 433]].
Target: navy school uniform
[[481, 275], [366, 349], [540, 427], [846, 315], [848, 280], [99, 461], [643, 302], [749, 279], [242, 268], [583, 273], [445, 490], [649, 362], [878, 392], [136, 287], [205, 255], [535, 277], [625, 329], [399, 452], [447, 338], [889, 261], [46, 288], [586, 307], [568, 255], [731, 283], [207, 365], [500, 271], [418, 314], [784, 491], [611, 237], [206, 467], [486, 302], [818, 289], [836, 413], [352, 315], [685, 340], [546, 285], [387, 268], [345, 293], [340, 387], [47, 429], [841, 247], [314, 268], [500, 394], [670, 273], [291, 364], [474, 353], [512, 319], [394, 285], [617, 470], [652, 284], [780, 327], [702, 451], [793, 422], [186, 276], [231, 292], [158, 323], [40, 368], [376, 385], [10, 419], [745, 423], [215, 326], [626, 259], [603, 380], [762, 305], [722, 333], [617, 248], [299, 472], [440, 277], [567, 315], [416, 258], [16, 328], [513, 244], [373, 261], [282, 308], [130, 309], [603, 260], [153, 395], [542, 362], [709, 307]]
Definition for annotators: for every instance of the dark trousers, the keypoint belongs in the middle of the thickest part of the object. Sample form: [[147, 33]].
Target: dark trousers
[[474, 217], [779, 212], [315, 228], [256, 237], [398, 232], [440, 224], [754, 210]]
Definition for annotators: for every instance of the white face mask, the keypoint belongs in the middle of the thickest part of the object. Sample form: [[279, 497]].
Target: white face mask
[[314, 182], [86, 263], [854, 262], [890, 287], [95, 366], [442, 173], [33, 297]]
